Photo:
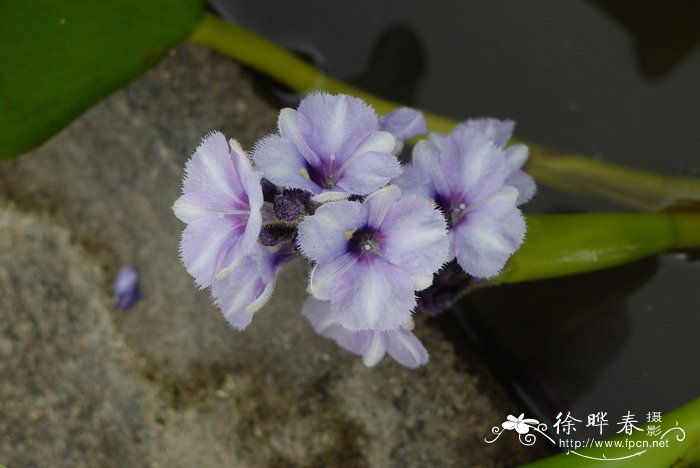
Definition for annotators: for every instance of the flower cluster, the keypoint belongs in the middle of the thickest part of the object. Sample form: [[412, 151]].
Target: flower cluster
[[329, 185]]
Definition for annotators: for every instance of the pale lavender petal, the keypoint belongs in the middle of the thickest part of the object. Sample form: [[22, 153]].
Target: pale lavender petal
[[373, 295], [494, 230], [218, 179], [246, 289], [376, 350], [437, 138], [323, 236], [413, 181], [403, 123], [376, 142], [368, 171], [499, 131], [405, 348], [415, 235], [236, 291], [287, 124], [282, 164], [516, 155], [427, 159], [205, 244], [126, 287], [318, 313], [378, 203], [524, 184], [329, 196], [471, 162], [243, 244], [325, 277], [335, 125]]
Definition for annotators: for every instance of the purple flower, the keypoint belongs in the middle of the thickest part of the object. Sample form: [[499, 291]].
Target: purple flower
[[500, 131], [465, 172], [401, 344], [246, 289], [370, 257], [126, 287], [403, 123], [331, 146], [221, 201]]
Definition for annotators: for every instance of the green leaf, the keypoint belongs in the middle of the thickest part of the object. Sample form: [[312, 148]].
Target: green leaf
[[560, 245], [58, 57]]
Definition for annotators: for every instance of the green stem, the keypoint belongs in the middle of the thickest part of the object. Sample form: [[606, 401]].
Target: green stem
[[559, 245], [677, 453], [629, 187]]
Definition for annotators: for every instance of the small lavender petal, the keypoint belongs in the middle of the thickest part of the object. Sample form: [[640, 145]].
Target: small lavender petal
[[373, 295], [401, 344], [405, 348], [472, 162], [516, 155], [367, 171], [282, 164], [499, 131], [378, 203], [521, 180], [414, 182], [403, 123], [326, 276], [495, 230], [318, 314], [246, 289], [335, 124], [126, 288], [416, 237], [524, 184]]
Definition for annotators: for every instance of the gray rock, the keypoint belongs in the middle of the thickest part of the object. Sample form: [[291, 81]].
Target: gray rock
[[168, 383]]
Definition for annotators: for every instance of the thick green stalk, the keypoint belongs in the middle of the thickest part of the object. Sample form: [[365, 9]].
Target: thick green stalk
[[638, 189], [677, 453], [559, 245]]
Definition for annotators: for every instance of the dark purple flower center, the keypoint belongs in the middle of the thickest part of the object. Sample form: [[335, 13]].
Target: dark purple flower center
[[324, 177], [454, 208], [364, 242]]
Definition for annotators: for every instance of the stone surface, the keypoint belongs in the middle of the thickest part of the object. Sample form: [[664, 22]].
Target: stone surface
[[167, 383]]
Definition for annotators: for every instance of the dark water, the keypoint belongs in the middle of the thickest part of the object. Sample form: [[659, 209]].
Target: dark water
[[617, 80]]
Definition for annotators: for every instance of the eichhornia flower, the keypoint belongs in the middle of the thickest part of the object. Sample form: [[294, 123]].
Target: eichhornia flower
[[465, 173], [220, 202], [370, 257], [330, 146]]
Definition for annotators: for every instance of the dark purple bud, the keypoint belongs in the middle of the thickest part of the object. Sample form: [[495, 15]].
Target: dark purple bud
[[269, 190], [291, 204], [272, 234], [447, 286], [126, 288]]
